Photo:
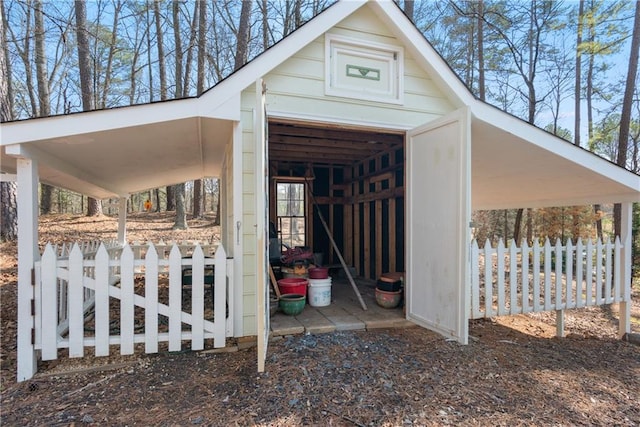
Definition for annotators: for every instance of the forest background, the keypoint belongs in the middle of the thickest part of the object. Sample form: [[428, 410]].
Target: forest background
[[565, 66]]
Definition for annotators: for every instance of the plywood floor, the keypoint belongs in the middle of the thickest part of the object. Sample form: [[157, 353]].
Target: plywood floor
[[344, 313]]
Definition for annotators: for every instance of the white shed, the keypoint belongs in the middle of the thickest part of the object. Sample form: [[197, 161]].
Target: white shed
[[357, 99]]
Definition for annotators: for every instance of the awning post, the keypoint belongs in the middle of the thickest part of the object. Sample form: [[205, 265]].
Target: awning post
[[624, 325], [28, 254]]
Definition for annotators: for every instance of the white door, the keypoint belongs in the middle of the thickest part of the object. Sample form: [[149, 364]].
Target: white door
[[438, 206], [262, 194]]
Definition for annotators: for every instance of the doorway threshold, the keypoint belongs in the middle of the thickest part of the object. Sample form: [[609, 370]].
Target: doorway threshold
[[343, 314]]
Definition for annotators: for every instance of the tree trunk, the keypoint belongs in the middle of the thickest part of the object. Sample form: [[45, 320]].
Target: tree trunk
[[8, 190], [408, 8], [197, 198], [178, 42], [202, 25], [481, 79], [517, 227], [46, 193], [42, 80], [243, 35], [112, 50], [627, 104], [171, 198], [181, 213], [94, 207], [578, 85], [84, 63], [6, 91], [9, 214], [160, 45]]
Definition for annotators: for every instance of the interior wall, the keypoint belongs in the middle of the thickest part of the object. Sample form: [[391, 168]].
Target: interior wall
[[363, 207]]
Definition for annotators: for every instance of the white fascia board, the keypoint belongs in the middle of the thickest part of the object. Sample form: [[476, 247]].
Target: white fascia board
[[556, 145], [545, 203], [22, 151], [47, 128], [281, 51], [423, 53], [228, 109]]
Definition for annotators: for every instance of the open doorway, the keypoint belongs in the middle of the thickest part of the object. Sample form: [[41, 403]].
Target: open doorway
[[356, 178]]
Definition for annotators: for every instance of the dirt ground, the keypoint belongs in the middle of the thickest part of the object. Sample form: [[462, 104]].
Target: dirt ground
[[513, 372]]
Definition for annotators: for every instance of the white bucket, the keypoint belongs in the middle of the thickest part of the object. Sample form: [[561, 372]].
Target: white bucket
[[319, 292]]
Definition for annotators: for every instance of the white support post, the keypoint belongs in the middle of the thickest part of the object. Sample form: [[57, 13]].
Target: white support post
[[27, 174], [122, 220], [624, 324]]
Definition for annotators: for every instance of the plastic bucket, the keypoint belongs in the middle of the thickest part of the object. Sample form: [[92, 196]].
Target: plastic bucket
[[293, 286], [319, 292]]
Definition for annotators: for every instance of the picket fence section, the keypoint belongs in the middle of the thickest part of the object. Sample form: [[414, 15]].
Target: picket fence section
[[79, 290], [509, 279]]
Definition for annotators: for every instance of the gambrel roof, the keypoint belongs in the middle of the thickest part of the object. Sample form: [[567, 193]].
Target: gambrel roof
[[119, 151]]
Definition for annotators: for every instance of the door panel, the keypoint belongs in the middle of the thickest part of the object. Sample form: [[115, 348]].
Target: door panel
[[262, 194], [438, 215]]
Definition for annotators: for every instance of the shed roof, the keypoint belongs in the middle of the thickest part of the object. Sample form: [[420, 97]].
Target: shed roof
[[122, 150]]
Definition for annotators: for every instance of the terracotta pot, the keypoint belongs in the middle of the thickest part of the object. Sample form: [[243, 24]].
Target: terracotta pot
[[318, 273], [388, 299]]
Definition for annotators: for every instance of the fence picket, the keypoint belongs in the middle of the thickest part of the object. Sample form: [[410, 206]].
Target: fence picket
[[616, 268], [475, 281], [558, 272], [598, 280], [589, 273], [49, 310], [569, 275], [513, 278], [607, 273], [547, 275], [102, 302], [501, 293], [526, 308], [175, 299], [127, 308], [151, 300], [579, 274], [488, 279], [76, 293], [219, 298], [197, 299]]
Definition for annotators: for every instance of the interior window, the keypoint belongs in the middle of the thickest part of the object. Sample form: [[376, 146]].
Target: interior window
[[291, 213]]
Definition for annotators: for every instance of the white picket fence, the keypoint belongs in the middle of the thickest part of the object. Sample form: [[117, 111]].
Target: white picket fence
[[112, 295], [513, 280]]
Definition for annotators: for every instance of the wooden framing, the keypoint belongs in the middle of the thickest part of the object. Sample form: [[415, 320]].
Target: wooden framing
[[365, 191]]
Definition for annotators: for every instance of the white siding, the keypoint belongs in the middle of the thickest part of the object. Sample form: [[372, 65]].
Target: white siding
[[296, 87]]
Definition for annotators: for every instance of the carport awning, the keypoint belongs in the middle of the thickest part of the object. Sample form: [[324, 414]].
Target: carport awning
[[516, 165], [117, 152]]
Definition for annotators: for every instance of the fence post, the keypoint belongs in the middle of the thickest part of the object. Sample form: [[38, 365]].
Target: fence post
[[624, 325]]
